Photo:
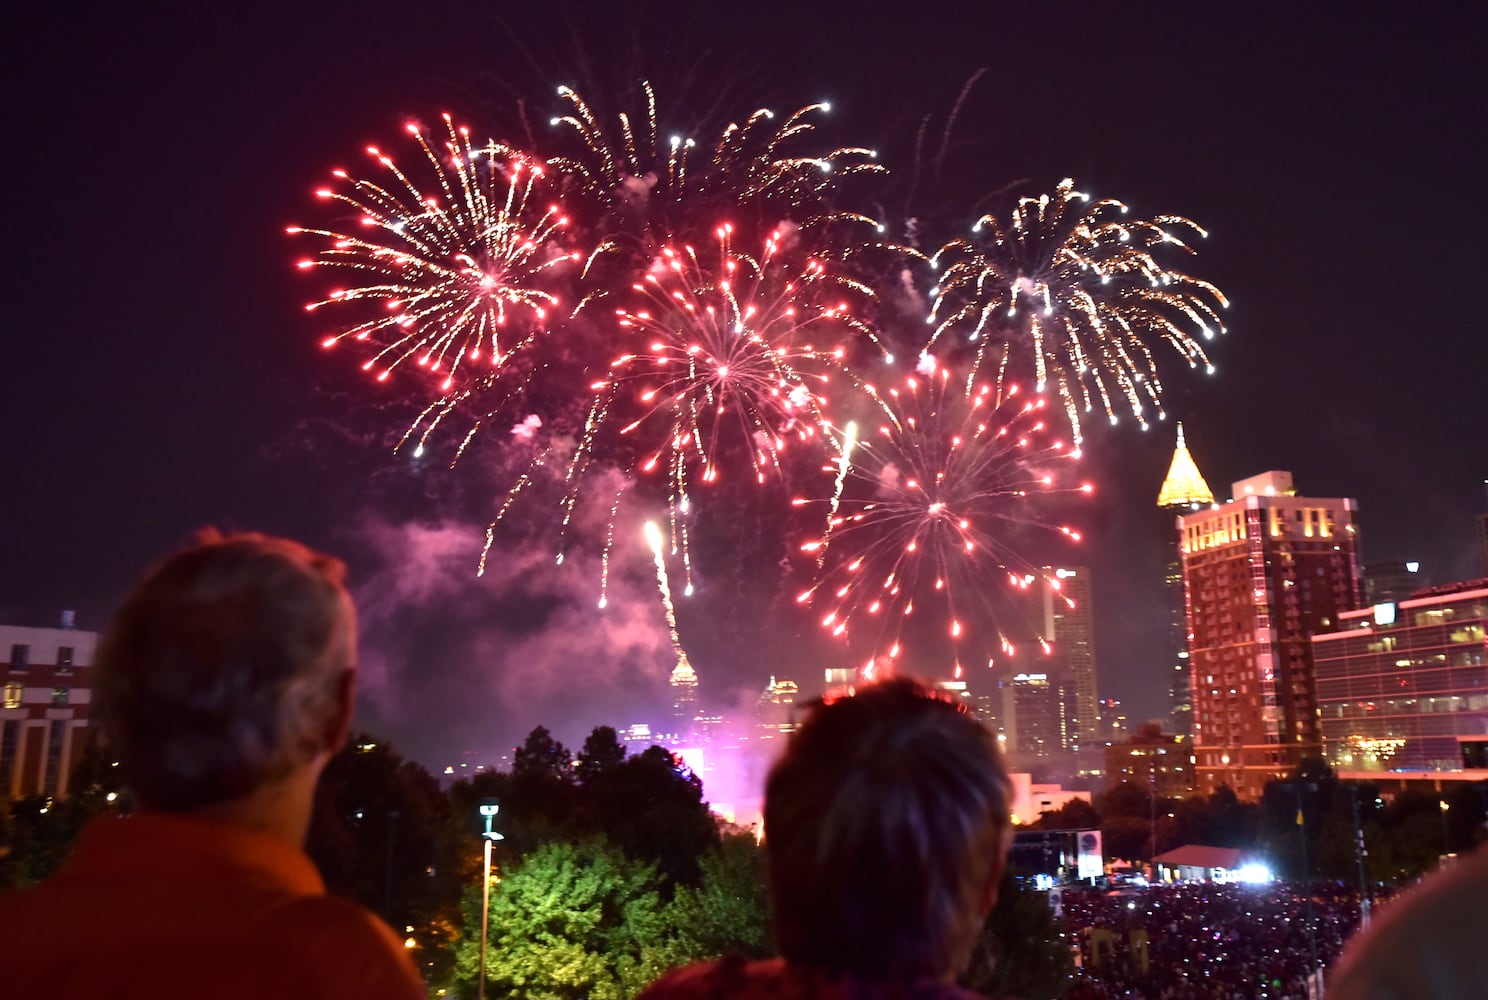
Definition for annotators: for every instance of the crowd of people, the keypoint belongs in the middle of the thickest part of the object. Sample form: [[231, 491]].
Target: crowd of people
[[1206, 941]]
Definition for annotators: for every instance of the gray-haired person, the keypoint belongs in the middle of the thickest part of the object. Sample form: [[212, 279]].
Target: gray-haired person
[[223, 686]]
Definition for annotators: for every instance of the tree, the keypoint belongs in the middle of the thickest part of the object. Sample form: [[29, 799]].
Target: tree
[[1125, 799], [1021, 951], [727, 913], [569, 921], [651, 807], [1221, 820], [1075, 814], [602, 751], [1126, 837], [37, 834], [539, 798], [542, 758], [384, 834]]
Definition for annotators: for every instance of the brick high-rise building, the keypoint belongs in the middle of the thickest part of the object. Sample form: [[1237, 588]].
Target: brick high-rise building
[[1183, 492], [1262, 573]]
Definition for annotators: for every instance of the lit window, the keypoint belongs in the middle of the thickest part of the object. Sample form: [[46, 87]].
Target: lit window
[[59, 696], [64, 657], [13, 694]]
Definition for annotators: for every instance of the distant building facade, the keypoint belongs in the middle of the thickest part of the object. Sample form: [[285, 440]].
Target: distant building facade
[[1183, 492], [45, 707], [1403, 686], [1114, 727], [1262, 574], [1391, 581], [775, 710], [1180, 698], [1059, 607], [1037, 713], [1152, 759]]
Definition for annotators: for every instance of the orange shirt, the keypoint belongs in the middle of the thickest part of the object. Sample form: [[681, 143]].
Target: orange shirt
[[167, 906]]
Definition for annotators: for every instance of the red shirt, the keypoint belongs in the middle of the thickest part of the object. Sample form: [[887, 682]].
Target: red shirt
[[772, 979], [167, 906]]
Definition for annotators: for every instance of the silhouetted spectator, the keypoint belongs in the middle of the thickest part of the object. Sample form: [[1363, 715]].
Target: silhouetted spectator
[[886, 827], [1430, 942], [223, 686]]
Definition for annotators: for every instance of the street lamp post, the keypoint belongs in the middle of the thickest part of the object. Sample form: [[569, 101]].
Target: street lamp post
[[1044, 822], [1297, 788], [1361, 851], [488, 811], [1446, 833], [1152, 811]]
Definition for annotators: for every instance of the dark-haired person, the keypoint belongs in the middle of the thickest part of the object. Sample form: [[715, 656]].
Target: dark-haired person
[[1428, 943], [886, 826], [222, 686]]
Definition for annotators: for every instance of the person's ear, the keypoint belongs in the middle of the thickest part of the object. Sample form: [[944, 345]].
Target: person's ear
[[338, 723], [995, 869]]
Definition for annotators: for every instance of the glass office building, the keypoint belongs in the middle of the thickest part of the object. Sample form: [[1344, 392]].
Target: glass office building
[[1404, 686]]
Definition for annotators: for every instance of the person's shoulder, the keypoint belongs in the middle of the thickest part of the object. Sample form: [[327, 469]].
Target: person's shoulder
[[1425, 943], [732, 977], [736, 978], [346, 948]]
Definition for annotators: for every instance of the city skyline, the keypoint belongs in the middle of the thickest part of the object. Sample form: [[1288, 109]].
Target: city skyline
[[181, 385]]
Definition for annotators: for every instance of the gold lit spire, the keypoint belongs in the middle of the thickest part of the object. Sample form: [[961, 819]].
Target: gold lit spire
[[1184, 486], [682, 674]]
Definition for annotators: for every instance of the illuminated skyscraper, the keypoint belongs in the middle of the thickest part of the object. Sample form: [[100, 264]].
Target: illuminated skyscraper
[[1058, 608], [1261, 574], [1183, 491], [1031, 714], [684, 682], [773, 711]]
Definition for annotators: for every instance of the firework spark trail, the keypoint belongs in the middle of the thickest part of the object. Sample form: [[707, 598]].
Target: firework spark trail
[[1078, 286], [643, 173], [654, 541], [924, 512], [446, 265]]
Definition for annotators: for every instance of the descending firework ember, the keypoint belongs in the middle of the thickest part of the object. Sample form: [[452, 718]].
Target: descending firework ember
[[453, 271], [1078, 286], [919, 525], [644, 174]]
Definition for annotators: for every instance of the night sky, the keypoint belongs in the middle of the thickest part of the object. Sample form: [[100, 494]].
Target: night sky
[[161, 373]]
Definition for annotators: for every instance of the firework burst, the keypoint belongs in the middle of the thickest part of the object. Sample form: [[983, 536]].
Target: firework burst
[[730, 346], [453, 267], [921, 522], [1075, 290], [659, 184], [731, 356]]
